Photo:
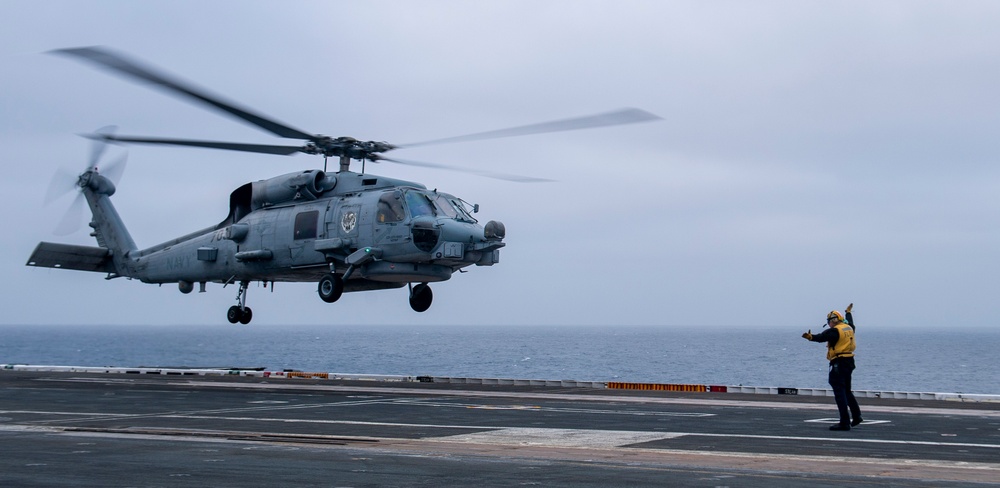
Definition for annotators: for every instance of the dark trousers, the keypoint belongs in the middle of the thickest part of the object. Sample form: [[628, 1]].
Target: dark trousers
[[840, 381]]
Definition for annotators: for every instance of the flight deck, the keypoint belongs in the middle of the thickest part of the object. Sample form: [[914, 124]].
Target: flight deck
[[132, 427]]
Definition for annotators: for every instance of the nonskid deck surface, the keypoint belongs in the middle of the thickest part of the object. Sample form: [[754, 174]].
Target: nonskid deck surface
[[158, 430]]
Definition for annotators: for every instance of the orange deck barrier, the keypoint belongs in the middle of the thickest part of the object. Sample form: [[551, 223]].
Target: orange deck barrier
[[299, 374], [656, 386]]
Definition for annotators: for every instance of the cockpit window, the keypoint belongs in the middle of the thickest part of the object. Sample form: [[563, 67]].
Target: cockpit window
[[425, 203], [445, 206], [452, 207], [390, 207], [419, 204]]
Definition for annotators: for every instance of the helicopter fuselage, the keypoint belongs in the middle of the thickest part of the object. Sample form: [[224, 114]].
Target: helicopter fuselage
[[301, 226]]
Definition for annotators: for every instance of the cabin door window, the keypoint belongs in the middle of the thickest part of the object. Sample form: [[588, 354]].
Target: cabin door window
[[306, 224]]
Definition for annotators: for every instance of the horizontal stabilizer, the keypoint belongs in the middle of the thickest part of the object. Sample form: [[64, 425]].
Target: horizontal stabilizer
[[67, 256]]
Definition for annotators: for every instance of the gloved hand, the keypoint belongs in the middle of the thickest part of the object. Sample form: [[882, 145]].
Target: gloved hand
[[808, 335], [848, 309]]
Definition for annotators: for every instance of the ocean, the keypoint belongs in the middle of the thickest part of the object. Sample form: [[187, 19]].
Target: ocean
[[916, 360]]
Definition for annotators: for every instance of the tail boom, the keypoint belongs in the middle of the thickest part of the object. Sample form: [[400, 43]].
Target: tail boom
[[114, 242]]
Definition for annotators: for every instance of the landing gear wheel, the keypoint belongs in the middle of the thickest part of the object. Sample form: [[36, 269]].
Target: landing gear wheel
[[234, 314], [247, 316], [240, 312], [331, 287], [421, 297]]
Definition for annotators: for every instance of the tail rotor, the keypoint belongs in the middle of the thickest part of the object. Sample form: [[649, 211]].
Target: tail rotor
[[114, 169], [65, 181]]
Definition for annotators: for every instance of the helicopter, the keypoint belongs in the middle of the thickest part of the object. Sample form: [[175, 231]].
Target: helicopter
[[346, 231]]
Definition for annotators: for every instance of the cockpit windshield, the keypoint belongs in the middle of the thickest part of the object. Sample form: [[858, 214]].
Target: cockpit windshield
[[425, 203], [419, 204], [452, 207]]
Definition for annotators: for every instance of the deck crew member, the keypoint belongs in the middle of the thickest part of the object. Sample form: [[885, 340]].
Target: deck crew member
[[840, 345]]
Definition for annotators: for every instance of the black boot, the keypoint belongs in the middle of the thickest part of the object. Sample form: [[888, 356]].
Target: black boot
[[840, 427], [856, 421]]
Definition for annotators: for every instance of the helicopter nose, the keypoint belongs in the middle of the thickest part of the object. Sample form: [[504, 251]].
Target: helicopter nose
[[494, 230]]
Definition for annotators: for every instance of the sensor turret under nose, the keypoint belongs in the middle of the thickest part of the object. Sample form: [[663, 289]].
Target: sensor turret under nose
[[494, 230]]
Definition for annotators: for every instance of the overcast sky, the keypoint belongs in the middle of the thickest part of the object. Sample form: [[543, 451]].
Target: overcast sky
[[811, 154]]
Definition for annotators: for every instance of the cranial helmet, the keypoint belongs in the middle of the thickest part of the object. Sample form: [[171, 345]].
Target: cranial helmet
[[835, 315]]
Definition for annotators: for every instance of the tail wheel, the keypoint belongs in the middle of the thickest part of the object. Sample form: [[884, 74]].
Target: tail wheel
[[421, 297], [331, 287]]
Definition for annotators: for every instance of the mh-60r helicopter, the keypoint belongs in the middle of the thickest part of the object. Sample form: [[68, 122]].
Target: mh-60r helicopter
[[345, 231]]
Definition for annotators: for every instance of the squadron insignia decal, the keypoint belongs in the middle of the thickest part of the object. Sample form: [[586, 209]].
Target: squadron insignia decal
[[348, 221]]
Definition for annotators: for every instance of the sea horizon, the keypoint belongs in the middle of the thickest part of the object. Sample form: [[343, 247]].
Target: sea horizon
[[956, 360]]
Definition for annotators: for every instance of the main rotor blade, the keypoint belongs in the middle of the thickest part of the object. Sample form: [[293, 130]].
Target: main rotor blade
[[231, 146], [488, 174], [113, 61], [617, 117]]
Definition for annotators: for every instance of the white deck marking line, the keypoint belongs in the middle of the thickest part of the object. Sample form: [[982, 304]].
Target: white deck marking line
[[291, 406], [329, 422], [537, 408], [41, 412], [92, 416], [832, 420]]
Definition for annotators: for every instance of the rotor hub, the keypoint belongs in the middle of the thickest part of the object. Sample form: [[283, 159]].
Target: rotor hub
[[347, 147]]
